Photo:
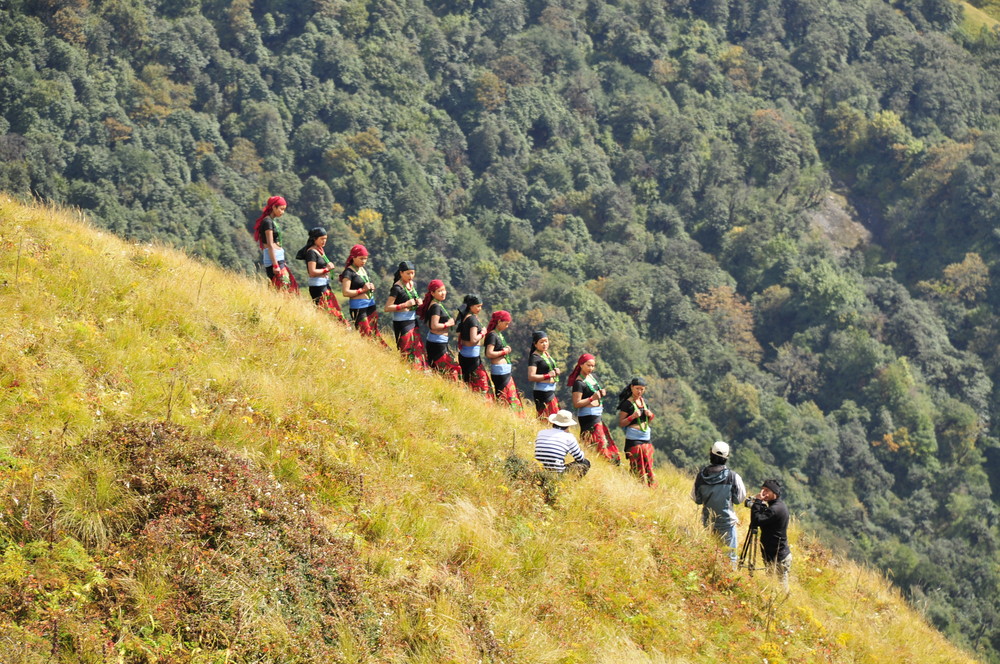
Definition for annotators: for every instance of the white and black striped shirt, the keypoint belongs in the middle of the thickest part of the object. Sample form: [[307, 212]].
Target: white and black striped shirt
[[552, 446]]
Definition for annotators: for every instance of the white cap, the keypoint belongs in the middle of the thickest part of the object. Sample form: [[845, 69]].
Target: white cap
[[720, 449]]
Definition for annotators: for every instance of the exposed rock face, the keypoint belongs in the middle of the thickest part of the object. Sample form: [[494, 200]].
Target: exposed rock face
[[837, 220]]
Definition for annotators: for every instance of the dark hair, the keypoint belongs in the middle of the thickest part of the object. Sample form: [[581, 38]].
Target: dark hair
[[314, 234], [626, 392], [403, 267], [536, 336], [469, 300], [773, 485]]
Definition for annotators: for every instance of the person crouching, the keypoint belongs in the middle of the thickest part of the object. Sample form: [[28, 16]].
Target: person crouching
[[552, 446]]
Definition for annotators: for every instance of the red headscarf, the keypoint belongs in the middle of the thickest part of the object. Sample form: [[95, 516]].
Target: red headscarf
[[428, 296], [272, 203], [573, 375], [497, 317], [356, 250]]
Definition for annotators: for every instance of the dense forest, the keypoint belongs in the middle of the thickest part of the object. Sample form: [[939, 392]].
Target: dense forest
[[784, 214]]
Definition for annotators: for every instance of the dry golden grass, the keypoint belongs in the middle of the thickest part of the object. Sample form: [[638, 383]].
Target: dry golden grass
[[464, 559]]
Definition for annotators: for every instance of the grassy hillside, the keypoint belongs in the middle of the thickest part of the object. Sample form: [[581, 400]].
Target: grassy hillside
[[195, 469], [979, 19]]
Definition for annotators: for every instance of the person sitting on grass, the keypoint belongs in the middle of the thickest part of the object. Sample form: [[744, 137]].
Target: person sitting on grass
[[552, 446]]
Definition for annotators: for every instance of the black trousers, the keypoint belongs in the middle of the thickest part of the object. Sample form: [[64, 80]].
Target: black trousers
[[469, 366]]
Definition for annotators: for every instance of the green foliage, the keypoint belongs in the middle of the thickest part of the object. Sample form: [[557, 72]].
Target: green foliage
[[646, 180]]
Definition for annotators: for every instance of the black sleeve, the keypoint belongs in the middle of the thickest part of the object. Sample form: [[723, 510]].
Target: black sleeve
[[627, 407], [398, 293], [437, 310], [492, 340], [582, 388], [539, 363], [764, 515], [356, 280], [465, 327]]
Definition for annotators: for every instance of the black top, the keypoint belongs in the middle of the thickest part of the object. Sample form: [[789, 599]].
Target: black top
[[772, 519], [493, 339], [268, 224], [435, 309], [628, 408], [399, 295], [542, 367], [465, 327], [313, 255], [585, 390], [356, 280]]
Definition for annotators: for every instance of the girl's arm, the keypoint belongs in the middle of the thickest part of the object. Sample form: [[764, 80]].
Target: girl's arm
[[437, 327], [535, 377], [625, 420], [345, 288], [313, 272], [271, 247]]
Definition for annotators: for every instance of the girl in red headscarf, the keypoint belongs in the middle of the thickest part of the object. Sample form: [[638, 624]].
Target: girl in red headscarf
[[402, 304], [498, 353], [356, 285], [587, 399], [267, 234], [432, 312]]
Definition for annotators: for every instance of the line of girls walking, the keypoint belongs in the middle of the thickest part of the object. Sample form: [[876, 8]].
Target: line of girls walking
[[407, 307]]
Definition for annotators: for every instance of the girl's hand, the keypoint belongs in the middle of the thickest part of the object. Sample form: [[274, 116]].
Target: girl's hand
[[556, 371]]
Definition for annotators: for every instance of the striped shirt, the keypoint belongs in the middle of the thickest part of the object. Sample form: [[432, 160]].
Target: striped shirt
[[552, 446]]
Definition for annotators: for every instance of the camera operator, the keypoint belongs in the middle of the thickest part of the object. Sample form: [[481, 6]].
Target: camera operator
[[770, 515]]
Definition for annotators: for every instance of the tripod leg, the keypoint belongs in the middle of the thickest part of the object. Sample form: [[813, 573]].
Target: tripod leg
[[746, 549]]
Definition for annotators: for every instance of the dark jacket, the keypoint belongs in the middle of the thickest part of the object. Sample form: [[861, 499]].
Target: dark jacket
[[772, 519]]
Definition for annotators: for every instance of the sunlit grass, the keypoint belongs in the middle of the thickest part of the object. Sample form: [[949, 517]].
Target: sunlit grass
[[463, 558], [977, 19]]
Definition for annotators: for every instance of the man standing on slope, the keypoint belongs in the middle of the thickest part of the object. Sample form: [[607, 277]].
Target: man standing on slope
[[717, 489], [769, 513]]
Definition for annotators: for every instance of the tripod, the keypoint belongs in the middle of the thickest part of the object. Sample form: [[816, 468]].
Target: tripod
[[751, 547]]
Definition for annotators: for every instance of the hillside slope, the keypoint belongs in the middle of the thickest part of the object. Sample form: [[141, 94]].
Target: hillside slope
[[662, 183], [195, 469]]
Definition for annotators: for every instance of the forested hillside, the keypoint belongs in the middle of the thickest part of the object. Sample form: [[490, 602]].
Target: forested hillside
[[784, 214]]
